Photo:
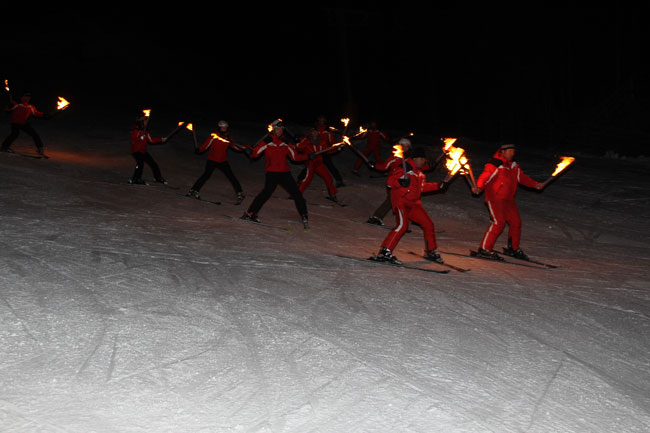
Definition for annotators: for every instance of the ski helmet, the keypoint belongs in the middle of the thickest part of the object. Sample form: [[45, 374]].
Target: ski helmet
[[404, 142], [222, 124]]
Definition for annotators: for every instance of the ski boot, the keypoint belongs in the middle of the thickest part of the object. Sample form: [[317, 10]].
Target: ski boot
[[488, 254], [375, 220], [239, 198], [517, 254], [193, 193], [250, 216], [39, 150], [433, 256], [332, 197], [161, 180], [386, 256], [137, 181], [305, 222]]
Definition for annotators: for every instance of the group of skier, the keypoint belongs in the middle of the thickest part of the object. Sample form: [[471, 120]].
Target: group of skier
[[405, 175]]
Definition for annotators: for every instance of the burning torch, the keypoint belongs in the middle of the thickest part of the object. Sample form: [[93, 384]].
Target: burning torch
[[565, 161], [458, 162], [190, 128], [178, 128], [8, 90], [448, 143], [61, 104]]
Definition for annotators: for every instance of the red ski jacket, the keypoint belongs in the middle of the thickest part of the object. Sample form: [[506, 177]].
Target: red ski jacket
[[219, 146], [140, 138], [410, 195], [307, 146], [275, 152], [500, 179], [374, 138], [20, 112]]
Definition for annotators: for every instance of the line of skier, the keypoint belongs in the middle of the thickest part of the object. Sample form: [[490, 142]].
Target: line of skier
[[405, 180]]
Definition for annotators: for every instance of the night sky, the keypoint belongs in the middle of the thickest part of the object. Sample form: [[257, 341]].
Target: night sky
[[485, 73]]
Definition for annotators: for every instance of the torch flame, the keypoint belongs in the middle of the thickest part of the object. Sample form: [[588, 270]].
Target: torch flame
[[180, 123], [398, 151], [456, 159], [564, 163], [448, 143], [62, 104], [7, 85], [146, 113], [217, 137], [189, 127], [345, 121]]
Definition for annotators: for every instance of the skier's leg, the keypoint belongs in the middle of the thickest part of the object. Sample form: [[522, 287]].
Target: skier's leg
[[209, 168], [496, 227]]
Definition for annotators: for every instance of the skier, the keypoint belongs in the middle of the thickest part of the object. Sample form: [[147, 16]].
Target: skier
[[20, 113], [218, 143], [390, 164], [500, 179], [406, 190], [276, 151], [139, 139], [309, 144], [328, 140], [374, 138]]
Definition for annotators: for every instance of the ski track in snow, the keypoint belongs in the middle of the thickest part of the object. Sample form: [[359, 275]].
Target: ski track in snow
[[128, 309]]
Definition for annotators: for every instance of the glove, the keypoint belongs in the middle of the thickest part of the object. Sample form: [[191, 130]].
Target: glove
[[372, 166], [248, 151], [311, 156], [404, 182], [442, 186]]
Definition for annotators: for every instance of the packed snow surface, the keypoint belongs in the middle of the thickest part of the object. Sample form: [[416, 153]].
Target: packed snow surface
[[135, 309]]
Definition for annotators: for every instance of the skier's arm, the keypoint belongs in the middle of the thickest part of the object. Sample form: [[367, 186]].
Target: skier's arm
[[526, 180]]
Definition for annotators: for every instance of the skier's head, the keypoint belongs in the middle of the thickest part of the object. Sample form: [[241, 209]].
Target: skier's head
[[223, 125], [321, 120], [26, 96], [278, 127], [405, 143], [507, 151], [372, 124]]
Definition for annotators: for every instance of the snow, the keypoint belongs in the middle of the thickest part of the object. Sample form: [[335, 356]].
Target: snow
[[133, 309]]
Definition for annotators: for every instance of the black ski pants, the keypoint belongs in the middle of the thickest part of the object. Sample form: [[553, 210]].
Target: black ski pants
[[271, 182], [140, 160], [224, 167], [15, 130]]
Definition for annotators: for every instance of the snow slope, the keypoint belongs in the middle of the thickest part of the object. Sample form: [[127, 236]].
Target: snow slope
[[134, 309]]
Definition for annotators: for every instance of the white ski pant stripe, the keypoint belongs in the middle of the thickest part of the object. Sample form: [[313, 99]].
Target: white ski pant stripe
[[494, 224]]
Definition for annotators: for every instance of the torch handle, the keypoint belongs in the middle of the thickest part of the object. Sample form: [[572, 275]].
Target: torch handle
[[547, 181]]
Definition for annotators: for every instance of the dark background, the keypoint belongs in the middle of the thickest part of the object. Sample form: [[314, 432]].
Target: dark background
[[553, 77]]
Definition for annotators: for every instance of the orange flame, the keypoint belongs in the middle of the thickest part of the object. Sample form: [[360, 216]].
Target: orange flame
[[398, 151], [62, 104], [448, 143], [456, 159], [146, 113], [7, 85], [345, 121], [180, 123], [217, 137], [189, 127], [563, 164]]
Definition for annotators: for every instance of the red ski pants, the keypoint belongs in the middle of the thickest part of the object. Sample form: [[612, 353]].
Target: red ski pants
[[502, 212], [321, 170], [417, 214]]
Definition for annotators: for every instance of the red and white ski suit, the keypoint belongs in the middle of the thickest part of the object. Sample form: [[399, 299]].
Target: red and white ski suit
[[373, 137], [20, 112], [500, 179], [140, 138], [315, 166], [219, 146], [276, 152], [408, 207]]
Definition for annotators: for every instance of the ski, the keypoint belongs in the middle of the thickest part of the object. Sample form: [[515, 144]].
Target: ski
[[271, 226], [162, 185], [336, 202], [548, 265], [28, 155], [474, 255], [455, 268], [200, 199], [407, 265], [328, 206]]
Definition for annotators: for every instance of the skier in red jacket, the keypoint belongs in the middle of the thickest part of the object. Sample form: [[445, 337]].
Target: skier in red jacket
[[276, 150], [311, 143], [139, 139], [405, 191], [20, 113], [391, 163], [499, 179], [374, 137], [218, 143]]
